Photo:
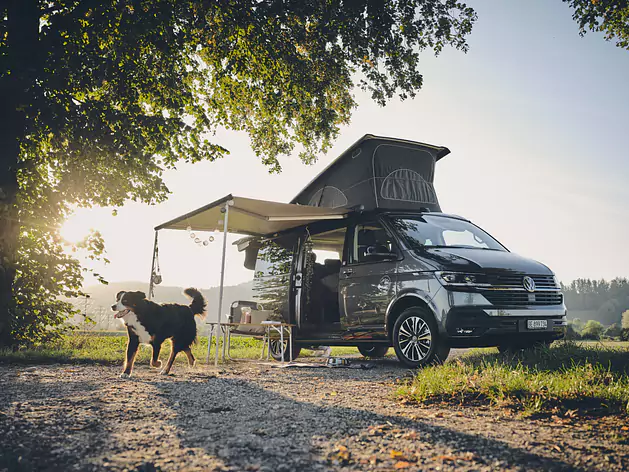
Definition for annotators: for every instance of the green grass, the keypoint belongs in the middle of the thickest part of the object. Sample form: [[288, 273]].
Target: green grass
[[569, 377], [109, 348]]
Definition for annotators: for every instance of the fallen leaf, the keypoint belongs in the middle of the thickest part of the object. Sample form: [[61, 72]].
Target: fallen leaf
[[343, 453], [625, 428], [557, 448], [402, 465], [445, 457], [396, 454], [410, 435]]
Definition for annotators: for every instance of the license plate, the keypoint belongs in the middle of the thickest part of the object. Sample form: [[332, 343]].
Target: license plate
[[537, 324]]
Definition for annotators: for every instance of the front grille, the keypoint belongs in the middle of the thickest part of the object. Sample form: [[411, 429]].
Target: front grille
[[515, 281], [510, 298]]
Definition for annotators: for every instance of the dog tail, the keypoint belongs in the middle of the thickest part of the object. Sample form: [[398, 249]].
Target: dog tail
[[198, 303]]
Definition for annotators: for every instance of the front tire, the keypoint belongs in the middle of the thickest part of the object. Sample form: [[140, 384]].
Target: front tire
[[276, 350], [416, 339], [373, 351]]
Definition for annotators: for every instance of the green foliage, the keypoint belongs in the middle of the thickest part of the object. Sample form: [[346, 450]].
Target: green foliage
[[592, 330], [610, 17], [546, 380], [613, 331], [604, 301], [100, 98], [573, 331]]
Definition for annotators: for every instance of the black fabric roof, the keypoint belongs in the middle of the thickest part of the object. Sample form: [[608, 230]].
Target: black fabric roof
[[378, 172]]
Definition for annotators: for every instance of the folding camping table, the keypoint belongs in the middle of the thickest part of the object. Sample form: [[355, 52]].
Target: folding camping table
[[272, 329]]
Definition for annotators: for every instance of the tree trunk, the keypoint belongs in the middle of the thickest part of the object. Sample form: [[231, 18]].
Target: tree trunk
[[17, 81]]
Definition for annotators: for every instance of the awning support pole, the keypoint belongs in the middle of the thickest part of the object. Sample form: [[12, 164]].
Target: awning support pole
[[151, 284], [220, 293]]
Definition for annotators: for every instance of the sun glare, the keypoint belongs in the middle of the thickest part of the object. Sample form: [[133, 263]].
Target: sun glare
[[73, 230]]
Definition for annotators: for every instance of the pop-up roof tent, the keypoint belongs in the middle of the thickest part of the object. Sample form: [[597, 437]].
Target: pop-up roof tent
[[378, 172]]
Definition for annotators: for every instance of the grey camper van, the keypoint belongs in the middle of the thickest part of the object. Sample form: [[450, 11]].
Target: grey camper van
[[396, 271]]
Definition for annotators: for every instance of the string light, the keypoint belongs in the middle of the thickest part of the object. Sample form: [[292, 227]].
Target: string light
[[198, 240]]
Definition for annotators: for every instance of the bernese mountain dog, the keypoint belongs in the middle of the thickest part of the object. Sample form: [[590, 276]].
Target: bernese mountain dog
[[150, 323]]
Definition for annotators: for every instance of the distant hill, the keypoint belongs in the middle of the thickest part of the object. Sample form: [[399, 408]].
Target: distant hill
[[101, 297]]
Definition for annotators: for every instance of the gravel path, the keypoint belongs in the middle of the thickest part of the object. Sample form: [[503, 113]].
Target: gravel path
[[251, 417]]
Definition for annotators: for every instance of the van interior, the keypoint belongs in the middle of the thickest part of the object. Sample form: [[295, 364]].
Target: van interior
[[323, 256]]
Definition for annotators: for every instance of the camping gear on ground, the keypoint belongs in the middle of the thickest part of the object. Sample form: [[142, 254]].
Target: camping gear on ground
[[337, 361]]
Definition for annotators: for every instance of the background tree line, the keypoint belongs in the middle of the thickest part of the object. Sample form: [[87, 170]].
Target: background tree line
[[598, 308]]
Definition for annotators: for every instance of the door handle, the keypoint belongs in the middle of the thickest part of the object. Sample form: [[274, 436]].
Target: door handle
[[348, 272]]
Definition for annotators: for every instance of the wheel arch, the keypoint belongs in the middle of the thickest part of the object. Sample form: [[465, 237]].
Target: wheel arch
[[401, 303]]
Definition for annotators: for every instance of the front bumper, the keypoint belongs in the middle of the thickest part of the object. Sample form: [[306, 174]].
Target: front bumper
[[476, 326]]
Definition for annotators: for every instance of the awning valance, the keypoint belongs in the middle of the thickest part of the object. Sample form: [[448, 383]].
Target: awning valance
[[252, 217]]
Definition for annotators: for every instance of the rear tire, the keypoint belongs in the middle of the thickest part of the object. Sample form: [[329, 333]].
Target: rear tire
[[276, 351], [416, 339], [373, 351]]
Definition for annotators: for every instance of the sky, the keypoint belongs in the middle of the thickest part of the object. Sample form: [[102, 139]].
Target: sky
[[536, 118]]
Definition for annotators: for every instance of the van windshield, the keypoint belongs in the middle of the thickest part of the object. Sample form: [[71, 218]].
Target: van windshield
[[441, 231]]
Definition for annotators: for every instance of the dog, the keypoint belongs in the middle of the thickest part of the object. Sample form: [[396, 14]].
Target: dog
[[150, 323]]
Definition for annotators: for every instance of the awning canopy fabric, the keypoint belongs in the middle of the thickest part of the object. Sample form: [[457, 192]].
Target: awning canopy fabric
[[252, 217]]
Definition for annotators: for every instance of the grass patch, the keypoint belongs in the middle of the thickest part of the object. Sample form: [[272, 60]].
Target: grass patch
[[564, 379], [109, 348]]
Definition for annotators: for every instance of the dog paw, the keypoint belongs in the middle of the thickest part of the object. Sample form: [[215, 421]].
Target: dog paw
[[157, 364], [124, 375]]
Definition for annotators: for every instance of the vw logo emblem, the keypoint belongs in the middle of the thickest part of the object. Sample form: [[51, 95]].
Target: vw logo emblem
[[529, 284]]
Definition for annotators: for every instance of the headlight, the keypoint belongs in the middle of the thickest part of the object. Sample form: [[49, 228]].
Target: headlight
[[461, 279]]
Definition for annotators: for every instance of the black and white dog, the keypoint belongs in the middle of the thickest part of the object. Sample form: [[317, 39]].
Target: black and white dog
[[150, 323]]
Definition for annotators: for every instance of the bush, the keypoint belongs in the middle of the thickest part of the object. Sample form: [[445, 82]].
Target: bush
[[613, 331], [592, 330], [572, 334]]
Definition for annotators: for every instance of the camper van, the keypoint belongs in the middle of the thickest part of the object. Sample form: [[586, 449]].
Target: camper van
[[389, 269]]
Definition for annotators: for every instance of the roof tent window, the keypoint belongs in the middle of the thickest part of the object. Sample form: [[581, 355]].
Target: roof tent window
[[404, 174], [329, 197], [408, 186]]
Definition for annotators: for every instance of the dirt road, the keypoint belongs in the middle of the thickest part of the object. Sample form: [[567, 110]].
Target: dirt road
[[259, 418]]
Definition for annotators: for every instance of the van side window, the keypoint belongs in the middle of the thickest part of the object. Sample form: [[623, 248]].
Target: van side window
[[370, 238]]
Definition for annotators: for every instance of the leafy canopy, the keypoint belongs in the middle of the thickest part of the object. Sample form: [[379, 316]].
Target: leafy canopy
[[112, 93], [610, 17]]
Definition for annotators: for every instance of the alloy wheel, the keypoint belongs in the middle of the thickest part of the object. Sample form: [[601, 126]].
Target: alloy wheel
[[415, 338]]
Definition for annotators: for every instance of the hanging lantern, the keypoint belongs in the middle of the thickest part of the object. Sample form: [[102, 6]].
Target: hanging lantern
[[192, 235], [188, 228], [157, 279]]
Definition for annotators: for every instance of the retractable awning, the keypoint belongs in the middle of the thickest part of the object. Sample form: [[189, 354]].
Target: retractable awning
[[252, 217]]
